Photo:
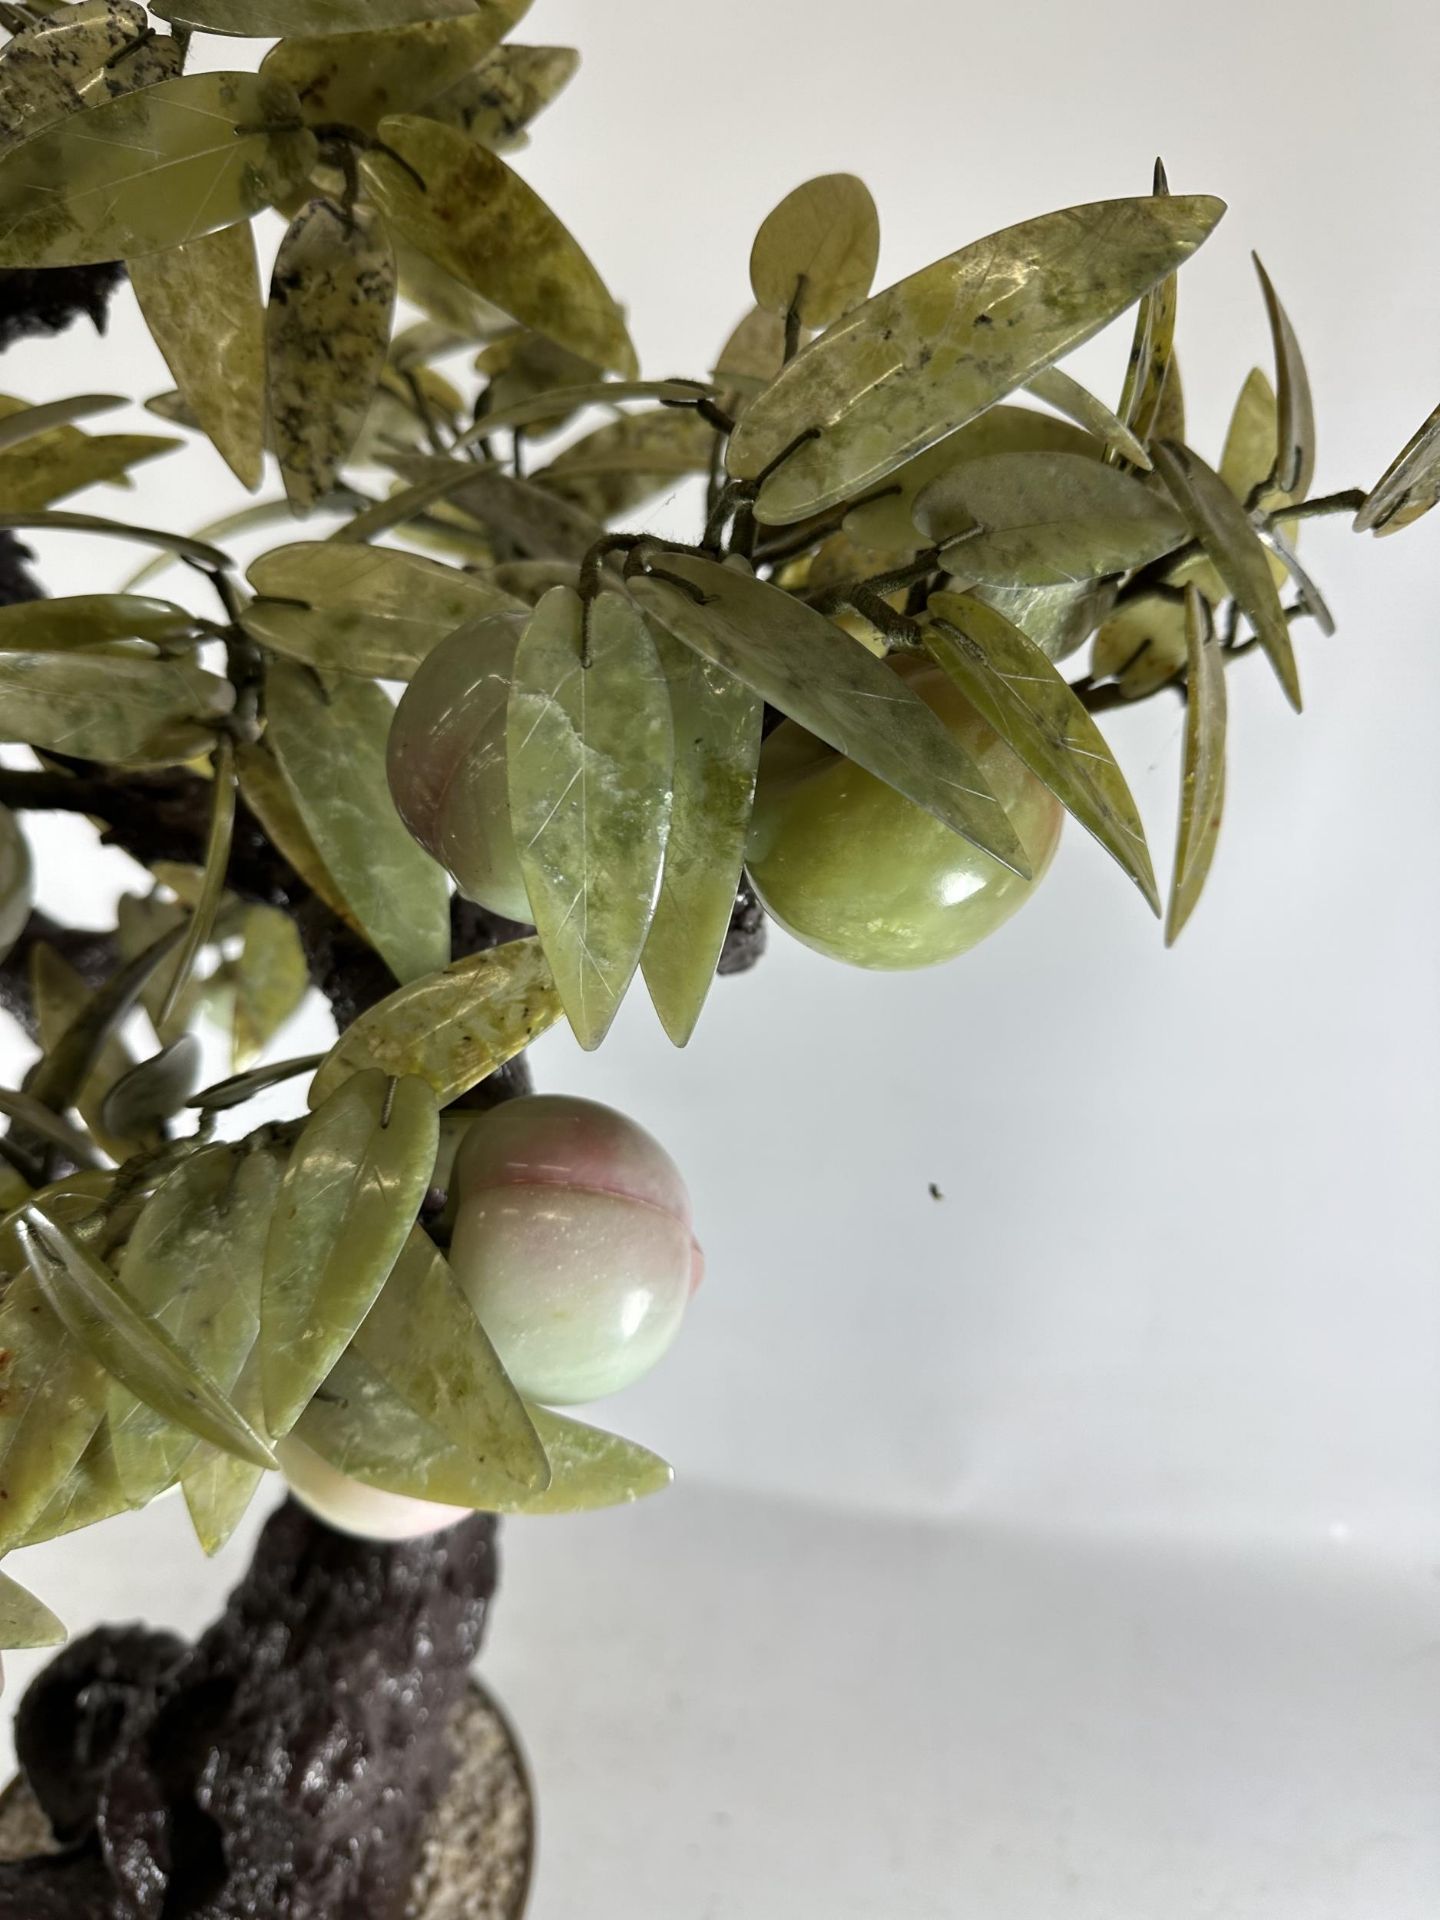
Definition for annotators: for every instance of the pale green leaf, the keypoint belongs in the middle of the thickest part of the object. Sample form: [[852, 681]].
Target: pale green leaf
[[266, 792], [24, 1620], [1142, 645], [356, 78], [271, 977], [24, 423], [1057, 619], [535, 522], [92, 620], [89, 1493], [1202, 788], [1294, 462], [1057, 389], [60, 998], [52, 1395], [47, 464], [1151, 365], [495, 104], [618, 467], [590, 1468], [269, 19], [237, 1088], [816, 252], [57, 520], [88, 1022]]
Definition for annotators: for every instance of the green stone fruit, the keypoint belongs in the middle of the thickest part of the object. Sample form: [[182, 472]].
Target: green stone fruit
[[862, 874], [447, 766], [348, 1505], [573, 1242]]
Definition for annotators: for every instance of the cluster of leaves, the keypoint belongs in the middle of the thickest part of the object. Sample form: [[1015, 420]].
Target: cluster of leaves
[[909, 470]]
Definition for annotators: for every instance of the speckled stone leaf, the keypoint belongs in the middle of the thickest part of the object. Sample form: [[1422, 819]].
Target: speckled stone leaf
[[591, 760], [91, 620], [1141, 645], [1202, 787], [329, 740], [483, 224], [19, 421], [1294, 463], [202, 304], [193, 1262], [423, 1339], [1234, 549], [327, 328], [495, 104], [716, 721], [90, 1492], [619, 467], [150, 170], [887, 522], [1059, 390], [130, 1344], [816, 252], [269, 19], [1044, 520], [350, 1196], [130, 712], [154, 1090], [369, 611], [271, 977], [453, 1028], [358, 78], [17, 880], [931, 352], [811, 670], [48, 70], [52, 1399], [266, 792], [1409, 486], [24, 1620], [535, 522], [1010, 682]]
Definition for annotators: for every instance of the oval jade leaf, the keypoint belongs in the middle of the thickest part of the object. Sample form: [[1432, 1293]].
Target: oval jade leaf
[[1409, 486], [454, 1028], [202, 304], [17, 881], [1013, 686], [591, 757], [329, 739], [270, 975], [495, 104], [1202, 786], [92, 620], [717, 721], [934, 350], [269, 19], [24, 1620], [150, 170], [193, 1262], [1141, 646], [358, 78], [129, 712], [266, 792], [1294, 465], [536, 523], [350, 1196], [1044, 520], [423, 1339], [1234, 549], [486, 227], [816, 252], [1057, 389], [52, 1398], [129, 1344], [89, 1493], [371, 611], [327, 328], [814, 672]]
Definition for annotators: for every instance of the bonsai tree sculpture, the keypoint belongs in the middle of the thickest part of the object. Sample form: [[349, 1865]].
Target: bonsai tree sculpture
[[853, 701]]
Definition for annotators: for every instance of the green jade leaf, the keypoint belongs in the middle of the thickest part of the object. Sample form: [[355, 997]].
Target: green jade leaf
[[1202, 787], [816, 252], [24, 1620]]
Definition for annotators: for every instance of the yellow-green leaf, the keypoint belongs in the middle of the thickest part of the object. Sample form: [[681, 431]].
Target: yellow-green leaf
[[620, 466], [495, 104], [816, 252], [24, 1620], [1202, 788], [269, 19], [1142, 645], [266, 792], [931, 352], [150, 170], [60, 997], [1009, 681], [591, 758], [17, 881], [716, 721], [89, 1493], [1294, 464], [814, 672], [454, 1028], [202, 304], [590, 1468], [1409, 486], [47, 465], [483, 224], [21, 422], [271, 977], [350, 1196], [91, 620], [1234, 549], [1057, 389], [358, 78], [534, 521], [52, 1396], [1150, 369], [329, 739]]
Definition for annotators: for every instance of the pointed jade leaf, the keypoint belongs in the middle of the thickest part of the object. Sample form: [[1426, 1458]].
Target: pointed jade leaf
[[590, 1468], [24, 423], [454, 1028], [1294, 465], [717, 721], [1142, 645], [52, 1397], [1152, 350], [266, 792], [370, 611], [536, 523], [483, 224], [154, 1090], [218, 1488], [1009, 681], [1202, 788], [60, 460], [59, 996], [271, 977], [129, 712], [351, 1194], [269, 19], [130, 1345], [89, 1493], [1409, 486], [17, 881], [1057, 619], [193, 1262], [1057, 389], [329, 739], [814, 672], [931, 352], [816, 252], [202, 304], [327, 328], [1044, 520], [91, 620], [1234, 549], [495, 104], [620, 466], [591, 758], [424, 1340], [48, 69], [357, 78], [237, 1088], [24, 1620], [152, 169]]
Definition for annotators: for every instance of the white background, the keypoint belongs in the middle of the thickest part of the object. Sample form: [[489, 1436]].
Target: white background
[[1067, 1546]]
